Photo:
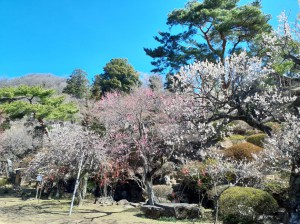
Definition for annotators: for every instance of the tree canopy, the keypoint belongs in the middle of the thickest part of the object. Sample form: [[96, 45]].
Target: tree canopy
[[212, 30], [35, 101], [118, 75], [77, 84]]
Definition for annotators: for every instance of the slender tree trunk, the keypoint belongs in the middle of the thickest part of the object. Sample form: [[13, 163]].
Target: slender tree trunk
[[216, 203], [150, 192], [294, 195], [76, 184]]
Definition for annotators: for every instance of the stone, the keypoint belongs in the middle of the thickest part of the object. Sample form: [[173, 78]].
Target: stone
[[181, 210], [176, 210], [135, 205], [167, 180], [105, 201], [152, 211], [123, 202]]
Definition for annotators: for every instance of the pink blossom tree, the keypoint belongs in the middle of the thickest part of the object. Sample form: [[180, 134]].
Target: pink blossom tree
[[144, 133]]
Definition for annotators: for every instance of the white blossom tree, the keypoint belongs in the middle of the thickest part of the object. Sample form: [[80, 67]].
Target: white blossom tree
[[71, 147], [284, 153], [234, 90]]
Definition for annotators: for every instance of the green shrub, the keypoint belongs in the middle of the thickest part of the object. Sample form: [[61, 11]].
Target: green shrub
[[257, 139], [243, 205], [242, 151]]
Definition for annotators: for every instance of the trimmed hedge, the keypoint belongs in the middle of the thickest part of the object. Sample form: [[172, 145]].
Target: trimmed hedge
[[243, 205], [257, 139], [242, 151]]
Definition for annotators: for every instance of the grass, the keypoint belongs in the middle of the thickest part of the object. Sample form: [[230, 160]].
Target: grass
[[14, 210]]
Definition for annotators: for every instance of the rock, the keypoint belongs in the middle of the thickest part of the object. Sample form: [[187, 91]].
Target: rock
[[128, 206], [152, 211], [282, 215], [296, 91], [167, 180], [267, 219], [177, 210], [123, 202], [182, 210], [105, 201], [135, 205], [240, 127], [226, 143]]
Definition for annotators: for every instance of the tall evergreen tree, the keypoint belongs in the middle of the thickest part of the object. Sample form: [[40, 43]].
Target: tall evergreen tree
[[77, 84], [212, 29], [118, 75]]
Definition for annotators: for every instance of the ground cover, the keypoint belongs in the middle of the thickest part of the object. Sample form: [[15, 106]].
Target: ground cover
[[15, 211]]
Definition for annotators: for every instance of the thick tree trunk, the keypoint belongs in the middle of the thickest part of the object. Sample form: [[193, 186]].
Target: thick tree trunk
[[294, 196], [150, 192]]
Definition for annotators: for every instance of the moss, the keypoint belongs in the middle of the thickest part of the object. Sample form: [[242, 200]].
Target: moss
[[244, 205], [278, 189], [257, 139], [236, 138], [252, 132], [242, 151]]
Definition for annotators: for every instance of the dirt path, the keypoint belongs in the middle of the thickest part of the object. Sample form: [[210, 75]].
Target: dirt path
[[14, 211]]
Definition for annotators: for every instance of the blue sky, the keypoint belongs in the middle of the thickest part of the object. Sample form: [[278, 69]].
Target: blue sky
[[57, 36]]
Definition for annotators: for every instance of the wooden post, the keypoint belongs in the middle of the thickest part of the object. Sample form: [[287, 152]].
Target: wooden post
[[76, 185]]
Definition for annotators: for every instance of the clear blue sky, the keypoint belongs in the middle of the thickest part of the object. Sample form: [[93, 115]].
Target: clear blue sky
[[57, 36]]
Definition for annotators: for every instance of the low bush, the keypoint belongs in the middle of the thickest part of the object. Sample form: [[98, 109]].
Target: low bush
[[244, 205], [257, 139], [242, 151]]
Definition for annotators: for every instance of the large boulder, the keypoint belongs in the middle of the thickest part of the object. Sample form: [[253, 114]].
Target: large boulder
[[177, 210], [152, 211]]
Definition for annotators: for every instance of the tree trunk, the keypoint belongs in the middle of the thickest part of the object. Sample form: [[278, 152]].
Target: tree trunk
[[79, 197], [150, 192], [84, 185], [76, 184], [294, 196]]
